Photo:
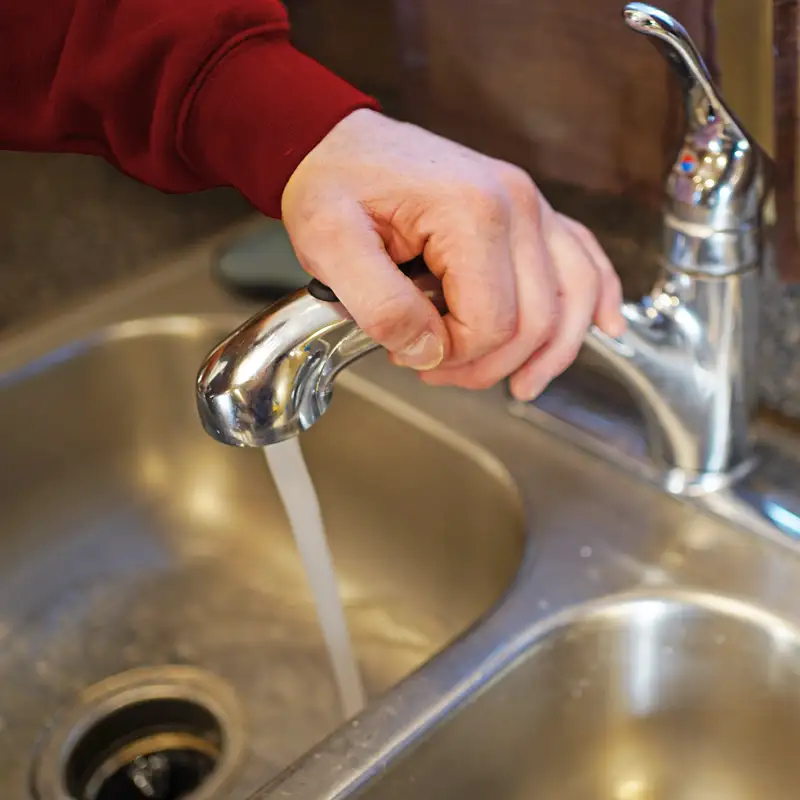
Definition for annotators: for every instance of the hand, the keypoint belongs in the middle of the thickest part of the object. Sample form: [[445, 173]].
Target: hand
[[522, 282]]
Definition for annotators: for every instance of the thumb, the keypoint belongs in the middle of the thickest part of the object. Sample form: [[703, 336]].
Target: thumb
[[349, 255]]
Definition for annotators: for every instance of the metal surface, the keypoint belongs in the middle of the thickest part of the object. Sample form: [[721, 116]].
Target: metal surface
[[688, 356], [139, 712], [272, 378], [131, 538], [716, 189], [637, 619], [660, 696]]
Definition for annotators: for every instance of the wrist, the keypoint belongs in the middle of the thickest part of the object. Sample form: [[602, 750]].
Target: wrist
[[257, 113]]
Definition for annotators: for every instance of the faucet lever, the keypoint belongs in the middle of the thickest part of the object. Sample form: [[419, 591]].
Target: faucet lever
[[716, 189], [673, 42]]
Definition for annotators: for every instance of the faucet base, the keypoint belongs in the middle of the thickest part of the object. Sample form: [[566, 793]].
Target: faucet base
[[592, 413]]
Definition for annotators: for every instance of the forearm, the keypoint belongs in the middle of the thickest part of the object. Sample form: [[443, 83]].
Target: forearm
[[182, 96]]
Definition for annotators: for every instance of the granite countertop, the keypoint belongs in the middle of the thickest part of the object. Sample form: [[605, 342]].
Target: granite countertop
[[70, 224]]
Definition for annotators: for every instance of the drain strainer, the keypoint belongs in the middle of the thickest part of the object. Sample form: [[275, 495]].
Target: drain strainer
[[167, 733]]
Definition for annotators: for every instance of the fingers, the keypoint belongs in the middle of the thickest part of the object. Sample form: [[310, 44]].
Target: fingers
[[565, 282], [343, 250], [579, 288], [608, 314], [537, 299], [470, 251]]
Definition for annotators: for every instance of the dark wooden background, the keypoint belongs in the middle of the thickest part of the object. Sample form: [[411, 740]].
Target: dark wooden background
[[561, 87]]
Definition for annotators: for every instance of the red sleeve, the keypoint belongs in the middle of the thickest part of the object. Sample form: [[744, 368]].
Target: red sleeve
[[180, 94]]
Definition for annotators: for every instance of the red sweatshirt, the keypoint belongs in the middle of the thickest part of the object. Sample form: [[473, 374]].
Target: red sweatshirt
[[181, 94]]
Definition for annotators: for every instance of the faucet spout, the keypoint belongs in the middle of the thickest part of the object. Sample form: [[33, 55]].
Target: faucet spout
[[688, 359], [273, 377]]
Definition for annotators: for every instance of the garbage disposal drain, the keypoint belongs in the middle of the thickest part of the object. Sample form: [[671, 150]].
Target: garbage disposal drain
[[173, 733], [160, 749]]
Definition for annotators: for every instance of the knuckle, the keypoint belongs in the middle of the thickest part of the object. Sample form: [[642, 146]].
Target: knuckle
[[519, 186], [580, 230], [516, 179], [593, 246], [589, 237], [497, 329], [580, 284], [486, 201], [568, 354]]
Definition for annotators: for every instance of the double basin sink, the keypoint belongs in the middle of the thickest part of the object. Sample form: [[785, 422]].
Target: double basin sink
[[529, 621]]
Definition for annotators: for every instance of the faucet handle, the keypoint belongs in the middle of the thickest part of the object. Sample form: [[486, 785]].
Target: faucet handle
[[720, 178]]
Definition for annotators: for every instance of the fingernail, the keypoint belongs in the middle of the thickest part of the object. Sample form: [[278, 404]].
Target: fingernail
[[530, 392], [617, 327], [425, 353]]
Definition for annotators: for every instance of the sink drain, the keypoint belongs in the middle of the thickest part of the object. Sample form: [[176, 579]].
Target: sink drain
[[171, 733]]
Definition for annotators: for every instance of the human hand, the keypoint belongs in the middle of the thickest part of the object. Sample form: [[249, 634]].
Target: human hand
[[522, 283]]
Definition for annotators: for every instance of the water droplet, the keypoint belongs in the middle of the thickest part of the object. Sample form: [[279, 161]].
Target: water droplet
[[586, 551]]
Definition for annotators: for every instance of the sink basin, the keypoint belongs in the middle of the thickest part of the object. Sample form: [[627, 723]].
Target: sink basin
[[132, 540], [658, 696]]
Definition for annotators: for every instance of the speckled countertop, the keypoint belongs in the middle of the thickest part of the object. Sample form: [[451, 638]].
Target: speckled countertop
[[71, 224]]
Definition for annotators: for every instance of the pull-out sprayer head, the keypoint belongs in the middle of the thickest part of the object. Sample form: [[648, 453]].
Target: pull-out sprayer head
[[272, 378]]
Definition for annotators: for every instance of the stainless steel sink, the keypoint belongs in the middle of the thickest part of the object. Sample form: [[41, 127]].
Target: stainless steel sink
[[131, 539], [649, 648], [664, 695], [647, 651], [532, 619]]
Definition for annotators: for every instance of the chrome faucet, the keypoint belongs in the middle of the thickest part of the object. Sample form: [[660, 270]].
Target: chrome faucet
[[272, 378], [688, 355]]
